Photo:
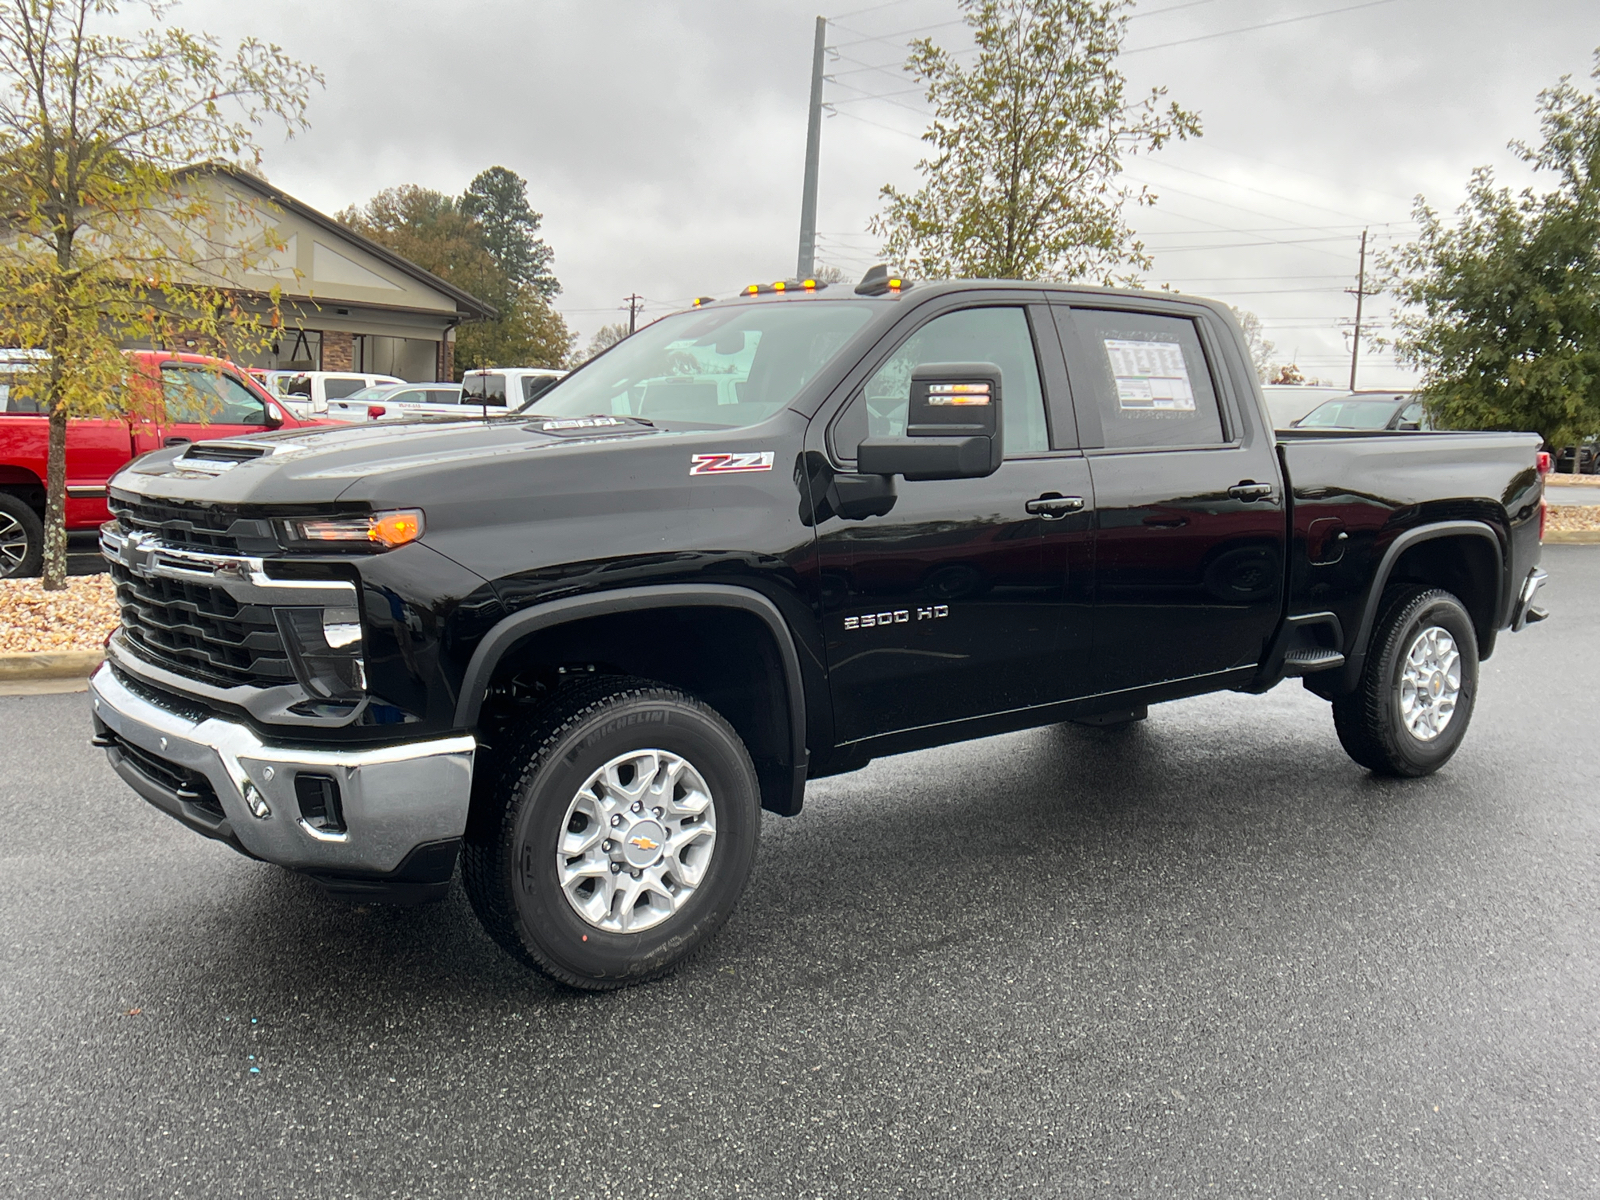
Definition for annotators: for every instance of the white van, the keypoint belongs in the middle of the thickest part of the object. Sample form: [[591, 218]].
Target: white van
[[306, 393], [507, 388]]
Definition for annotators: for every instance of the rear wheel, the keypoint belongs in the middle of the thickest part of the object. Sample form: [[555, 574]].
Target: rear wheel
[[21, 539], [1410, 711], [617, 837]]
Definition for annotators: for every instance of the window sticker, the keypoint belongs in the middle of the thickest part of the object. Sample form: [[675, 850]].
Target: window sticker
[[1151, 376]]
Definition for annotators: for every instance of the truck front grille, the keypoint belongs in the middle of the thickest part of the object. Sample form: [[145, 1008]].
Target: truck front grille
[[197, 629], [198, 526]]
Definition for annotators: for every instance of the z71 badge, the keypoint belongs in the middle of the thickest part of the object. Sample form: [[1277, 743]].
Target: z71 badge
[[730, 464], [899, 616]]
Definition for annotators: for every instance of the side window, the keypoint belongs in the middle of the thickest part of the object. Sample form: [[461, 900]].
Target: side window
[[535, 385], [195, 396], [340, 386], [997, 335], [1411, 417], [443, 396], [1148, 378]]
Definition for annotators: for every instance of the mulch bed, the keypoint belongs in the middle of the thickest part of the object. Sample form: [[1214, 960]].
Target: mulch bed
[[33, 620], [1575, 518]]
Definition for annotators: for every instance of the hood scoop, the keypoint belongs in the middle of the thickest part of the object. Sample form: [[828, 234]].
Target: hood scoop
[[588, 427], [212, 458]]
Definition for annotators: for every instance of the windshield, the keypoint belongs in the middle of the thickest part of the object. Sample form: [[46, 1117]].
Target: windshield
[[729, 368], [1349, 414]]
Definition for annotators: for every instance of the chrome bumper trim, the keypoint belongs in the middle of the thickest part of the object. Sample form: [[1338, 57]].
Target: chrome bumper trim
[[394, 797], [1525, 613]]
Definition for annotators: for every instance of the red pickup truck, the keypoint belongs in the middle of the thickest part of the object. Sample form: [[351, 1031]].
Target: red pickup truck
[[185, 398]]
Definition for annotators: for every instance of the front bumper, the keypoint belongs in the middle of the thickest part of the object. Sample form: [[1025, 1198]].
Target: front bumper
[[404, 806]]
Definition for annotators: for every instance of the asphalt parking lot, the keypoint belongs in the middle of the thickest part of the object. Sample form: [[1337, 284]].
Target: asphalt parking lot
[[1204, 956]]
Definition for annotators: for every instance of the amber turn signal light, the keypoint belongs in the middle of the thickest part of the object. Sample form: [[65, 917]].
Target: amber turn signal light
[[397, 527]]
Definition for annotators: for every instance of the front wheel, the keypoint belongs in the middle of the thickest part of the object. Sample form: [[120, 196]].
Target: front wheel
[[21, 539], [618, 837], [1411, 709]]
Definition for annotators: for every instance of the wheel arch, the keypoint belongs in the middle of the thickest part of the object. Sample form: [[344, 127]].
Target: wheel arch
[[1465, 557], [693, 616]]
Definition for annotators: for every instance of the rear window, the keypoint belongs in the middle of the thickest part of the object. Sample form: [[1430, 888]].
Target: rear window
[[484, 389], [1349, 414]]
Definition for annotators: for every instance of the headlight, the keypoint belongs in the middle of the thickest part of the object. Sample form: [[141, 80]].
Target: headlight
[[380, 530], [325, 649]]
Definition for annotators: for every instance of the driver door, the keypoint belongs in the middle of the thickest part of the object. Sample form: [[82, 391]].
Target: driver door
[[965, 599], [202, 404]]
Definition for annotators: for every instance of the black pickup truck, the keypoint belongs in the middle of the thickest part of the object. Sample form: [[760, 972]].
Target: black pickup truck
[[762, 541]]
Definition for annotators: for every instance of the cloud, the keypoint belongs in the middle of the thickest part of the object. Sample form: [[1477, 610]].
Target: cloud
[[664, 141]]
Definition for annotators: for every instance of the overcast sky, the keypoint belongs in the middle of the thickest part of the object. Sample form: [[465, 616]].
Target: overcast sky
[[664, 139]]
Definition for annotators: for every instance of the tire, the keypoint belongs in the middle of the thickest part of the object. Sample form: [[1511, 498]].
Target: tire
[[1378, 725], [545, 795], [21, 539]]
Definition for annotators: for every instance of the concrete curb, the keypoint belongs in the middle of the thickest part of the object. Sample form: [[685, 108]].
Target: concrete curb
[[1574, 537], [60, 664]]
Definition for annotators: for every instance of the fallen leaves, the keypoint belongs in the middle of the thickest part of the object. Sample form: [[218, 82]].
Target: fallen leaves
[[33, 620]]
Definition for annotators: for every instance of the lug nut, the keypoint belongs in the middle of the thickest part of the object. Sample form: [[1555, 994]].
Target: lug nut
[[656, 811], [638, 806], [615, 867], [617, 820], [636, 873], [608, 845]]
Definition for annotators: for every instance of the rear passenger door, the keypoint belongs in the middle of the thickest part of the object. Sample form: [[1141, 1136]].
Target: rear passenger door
[[1190, 533], [965, 599]]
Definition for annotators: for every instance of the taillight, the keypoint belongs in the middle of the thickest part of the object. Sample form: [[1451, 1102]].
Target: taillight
[[374, 411], [1545, 462]]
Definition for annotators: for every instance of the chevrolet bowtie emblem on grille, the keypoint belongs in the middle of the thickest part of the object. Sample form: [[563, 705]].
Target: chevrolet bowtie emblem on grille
[[644, 843]]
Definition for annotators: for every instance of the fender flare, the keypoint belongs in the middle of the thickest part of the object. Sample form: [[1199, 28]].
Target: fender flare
[[1380, 581], [511, 630]]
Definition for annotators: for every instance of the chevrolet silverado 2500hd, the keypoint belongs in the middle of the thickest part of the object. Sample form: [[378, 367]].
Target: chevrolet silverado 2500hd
[[760, 542]]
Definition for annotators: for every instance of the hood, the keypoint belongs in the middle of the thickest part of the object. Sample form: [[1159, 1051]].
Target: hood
[[323, 463]]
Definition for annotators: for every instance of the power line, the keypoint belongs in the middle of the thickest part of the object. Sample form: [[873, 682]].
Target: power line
[[870, 8], [862, 38], [1206, 37], [1158, 12], [1247, 188]]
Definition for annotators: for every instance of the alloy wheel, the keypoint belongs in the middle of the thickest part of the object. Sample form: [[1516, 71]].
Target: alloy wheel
[[1430, 683], [636, 841]]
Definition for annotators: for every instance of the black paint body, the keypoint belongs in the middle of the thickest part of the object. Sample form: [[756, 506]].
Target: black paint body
[[984, 616]]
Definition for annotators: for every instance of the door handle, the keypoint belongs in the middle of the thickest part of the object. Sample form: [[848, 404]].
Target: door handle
[[1052, 507], [1248, 490], [175, 441]]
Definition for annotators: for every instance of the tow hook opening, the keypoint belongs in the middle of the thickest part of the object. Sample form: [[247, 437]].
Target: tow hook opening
[[321, 806]]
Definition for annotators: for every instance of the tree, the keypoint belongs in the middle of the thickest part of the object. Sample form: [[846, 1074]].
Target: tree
[[606, 337], [108, 238], [1260, 349], [1502, 309], [498, 200], [1027, 146], [443, 234]]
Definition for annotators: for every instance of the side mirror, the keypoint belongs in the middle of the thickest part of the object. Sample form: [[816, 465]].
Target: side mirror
[[953, 426], [274, 416]]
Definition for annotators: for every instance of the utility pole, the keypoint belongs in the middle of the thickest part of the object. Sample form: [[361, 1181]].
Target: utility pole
[[808, 196], [1360, 293], [634, 302]]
